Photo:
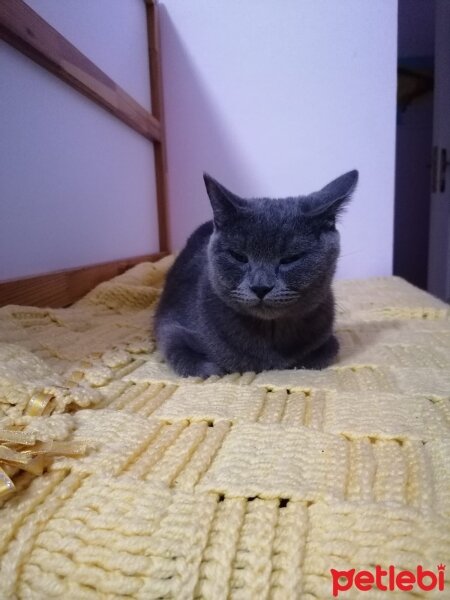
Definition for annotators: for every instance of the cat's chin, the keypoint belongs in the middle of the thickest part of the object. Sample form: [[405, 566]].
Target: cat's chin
[[266, 312]]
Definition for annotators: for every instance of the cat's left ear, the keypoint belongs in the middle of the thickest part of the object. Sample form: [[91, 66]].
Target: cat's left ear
[[225, 204], [328, 203]]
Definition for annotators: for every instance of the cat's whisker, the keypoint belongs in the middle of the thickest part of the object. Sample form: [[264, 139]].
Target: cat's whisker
[[287, 296], [350, 253]]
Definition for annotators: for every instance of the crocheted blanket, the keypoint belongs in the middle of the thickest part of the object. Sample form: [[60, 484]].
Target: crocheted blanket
[[120, 479]]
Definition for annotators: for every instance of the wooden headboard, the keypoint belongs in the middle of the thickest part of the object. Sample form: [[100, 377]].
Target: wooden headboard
[[29, 33]]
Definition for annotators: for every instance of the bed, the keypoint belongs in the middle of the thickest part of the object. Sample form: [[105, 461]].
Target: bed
[[120, 479]]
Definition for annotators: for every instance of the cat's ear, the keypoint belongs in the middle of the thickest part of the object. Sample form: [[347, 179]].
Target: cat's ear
[[328, 203], [225, 204]]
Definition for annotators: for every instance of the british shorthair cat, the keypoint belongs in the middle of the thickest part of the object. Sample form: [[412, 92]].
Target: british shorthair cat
[[251, 290]]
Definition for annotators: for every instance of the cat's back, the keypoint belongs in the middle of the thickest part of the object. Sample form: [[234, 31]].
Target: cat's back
[[190, 264]]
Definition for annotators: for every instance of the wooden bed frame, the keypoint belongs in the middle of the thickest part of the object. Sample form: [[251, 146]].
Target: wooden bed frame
[[29, 33]]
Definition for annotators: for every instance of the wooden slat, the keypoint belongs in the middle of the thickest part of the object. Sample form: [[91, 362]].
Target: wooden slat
[[24, 29], [62, 288], [158, 111]]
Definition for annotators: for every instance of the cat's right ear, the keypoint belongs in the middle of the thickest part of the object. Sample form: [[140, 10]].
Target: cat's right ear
[[327, 204], [224, 203]]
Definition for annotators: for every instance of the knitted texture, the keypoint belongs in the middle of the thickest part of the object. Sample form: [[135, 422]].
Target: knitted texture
[[248, 486]]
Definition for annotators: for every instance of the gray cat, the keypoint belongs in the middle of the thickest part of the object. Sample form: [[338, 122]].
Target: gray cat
[[251, 290]]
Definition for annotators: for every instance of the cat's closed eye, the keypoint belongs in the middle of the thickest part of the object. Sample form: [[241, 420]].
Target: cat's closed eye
[[237, 256], [292, 258]]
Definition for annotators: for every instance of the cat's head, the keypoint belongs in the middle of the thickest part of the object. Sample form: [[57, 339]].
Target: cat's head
[[269, 257]]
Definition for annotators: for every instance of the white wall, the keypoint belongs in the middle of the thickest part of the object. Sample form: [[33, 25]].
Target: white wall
[[77, 186], [112, 33], [276, 99]]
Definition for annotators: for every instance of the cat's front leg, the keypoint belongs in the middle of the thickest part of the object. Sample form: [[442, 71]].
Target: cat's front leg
[[185, 354], [188, 363]]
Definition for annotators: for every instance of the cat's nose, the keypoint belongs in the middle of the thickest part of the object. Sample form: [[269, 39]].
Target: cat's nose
[[261, 290]]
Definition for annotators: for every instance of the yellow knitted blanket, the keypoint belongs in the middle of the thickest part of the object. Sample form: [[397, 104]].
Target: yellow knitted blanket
[[121, 480]]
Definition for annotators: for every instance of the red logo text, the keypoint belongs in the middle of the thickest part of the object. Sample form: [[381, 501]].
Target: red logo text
[[388, 580]]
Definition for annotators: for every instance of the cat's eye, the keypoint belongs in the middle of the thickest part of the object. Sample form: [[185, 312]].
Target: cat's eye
[[240, 257], [292, 258]]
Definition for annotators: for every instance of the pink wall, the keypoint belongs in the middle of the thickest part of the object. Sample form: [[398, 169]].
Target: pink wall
[[277, 98]]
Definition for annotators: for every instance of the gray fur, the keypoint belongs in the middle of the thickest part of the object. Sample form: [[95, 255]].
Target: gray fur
[[251, 290]]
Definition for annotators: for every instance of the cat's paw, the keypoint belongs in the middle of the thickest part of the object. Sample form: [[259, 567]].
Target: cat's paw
[[207, 369], [197, 368]]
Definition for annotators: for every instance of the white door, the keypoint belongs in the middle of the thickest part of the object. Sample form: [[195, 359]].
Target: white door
[[439, 247]]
